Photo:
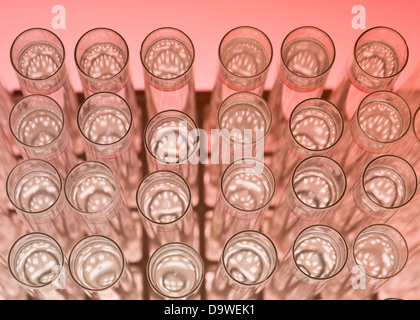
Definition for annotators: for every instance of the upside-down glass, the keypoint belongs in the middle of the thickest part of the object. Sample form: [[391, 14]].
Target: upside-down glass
[[245, 55], [387, 185], [94, 194], [307, 55], [38, 57], [246, 189], [97, 264], [172, 142], [34, 188], [243, 123], [101, 56], [381, 121], [105, 122], [378, 253], [315, 128], [39, 127], [164, 203], [167, 56], [317, 255], [380, 55], [37, 262], [247, 263], [316, 188], [175, 271]]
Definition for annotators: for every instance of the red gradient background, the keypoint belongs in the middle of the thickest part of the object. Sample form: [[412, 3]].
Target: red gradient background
[[206, 21]]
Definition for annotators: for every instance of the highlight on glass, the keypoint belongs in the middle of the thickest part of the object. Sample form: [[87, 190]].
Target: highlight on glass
[[167, 55], [175, 271], [98, 266]]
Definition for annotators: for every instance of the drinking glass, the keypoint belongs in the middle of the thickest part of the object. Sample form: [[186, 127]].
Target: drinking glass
[[37, 262], [167, 56], [105, 122], [40, 129], [175, 271], [246, 189], [316, 188], [97, 264], [247, 263], [380, 54], [94, 194], [38, 57], [316, 257], [34, 188], [164, 203]]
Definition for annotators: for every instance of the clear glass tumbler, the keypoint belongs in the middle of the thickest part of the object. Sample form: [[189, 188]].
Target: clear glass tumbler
[[175, 271], [381, 121], [40, 129], [94, 194], [37, 262], [316, 188], [377, 254], [245, 55], [306, 57], [380, 55], [172, 141], [247, 264], [34, 188], [316, 257], [38, 57], [243, 123], [101, 56], [105, 121], [167, 55], [315, 128], [164, 203], [246, 190], [387, 185], [97, 264]]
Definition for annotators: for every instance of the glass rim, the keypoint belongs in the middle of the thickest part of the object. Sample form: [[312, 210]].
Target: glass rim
[[363, 231], [259, 234], [175, 175], [111, 174], [340, 236], [104, 29], [384, 28], [416, 114], [270, 53], [240, 162], [148, 126], [399, 159], [93, 239], [61, 66], [29, 235], [326, 102], [260, 98], [362, 103], [173, 29], [318, 30], [28, 98], [333, 162], [53, 169], [130, 125], [185, 246]]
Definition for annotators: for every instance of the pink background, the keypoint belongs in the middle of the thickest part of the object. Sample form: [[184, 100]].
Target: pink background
[[206, 21]]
